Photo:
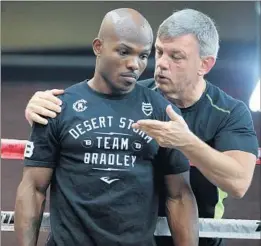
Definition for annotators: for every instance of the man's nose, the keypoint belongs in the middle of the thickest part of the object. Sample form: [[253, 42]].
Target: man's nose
[[162, 62], [133, 63]]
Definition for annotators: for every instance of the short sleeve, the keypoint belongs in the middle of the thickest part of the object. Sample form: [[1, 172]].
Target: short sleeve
[[237, 132], [42, 147], [172, 161]]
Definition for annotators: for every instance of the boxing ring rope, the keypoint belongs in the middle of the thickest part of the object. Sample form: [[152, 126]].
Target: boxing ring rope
[[219, 228]]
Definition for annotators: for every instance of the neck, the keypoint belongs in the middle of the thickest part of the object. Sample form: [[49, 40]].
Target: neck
[[98, 84], [191, 95]]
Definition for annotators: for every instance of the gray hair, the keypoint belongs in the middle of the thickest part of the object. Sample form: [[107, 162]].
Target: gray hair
[[190, 21]]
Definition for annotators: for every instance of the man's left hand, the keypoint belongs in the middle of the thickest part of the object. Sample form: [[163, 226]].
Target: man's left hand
[[172, 134]]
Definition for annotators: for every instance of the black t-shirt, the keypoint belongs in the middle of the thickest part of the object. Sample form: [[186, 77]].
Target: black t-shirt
[[224, 123], [104, 189]]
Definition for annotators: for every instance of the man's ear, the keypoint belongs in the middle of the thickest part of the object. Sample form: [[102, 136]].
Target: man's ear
[[207, 64], [97, 46]]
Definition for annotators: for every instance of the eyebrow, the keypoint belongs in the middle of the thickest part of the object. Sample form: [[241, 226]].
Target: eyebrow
[[125, 45], [174, 51], [129, 47]]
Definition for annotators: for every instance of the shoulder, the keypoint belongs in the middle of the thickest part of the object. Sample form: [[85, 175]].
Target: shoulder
[[225, 106], [74, 92], [222, 101], [73, 96], [158, 101], [236, 128], [235, 110], [77, 88], [151, 85]]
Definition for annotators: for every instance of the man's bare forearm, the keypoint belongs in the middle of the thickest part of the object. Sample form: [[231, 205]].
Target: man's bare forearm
[[182, 214], [29, 209], [219, 168]]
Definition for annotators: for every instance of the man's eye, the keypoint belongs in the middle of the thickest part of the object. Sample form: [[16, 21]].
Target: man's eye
[[123, 52], [175, 57], [158, 52], [144, 56]]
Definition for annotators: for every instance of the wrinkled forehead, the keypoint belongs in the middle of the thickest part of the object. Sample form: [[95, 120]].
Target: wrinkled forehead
[[186, 43]]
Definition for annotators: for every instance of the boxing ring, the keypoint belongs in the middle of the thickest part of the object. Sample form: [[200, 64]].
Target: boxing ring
[[13, 149]]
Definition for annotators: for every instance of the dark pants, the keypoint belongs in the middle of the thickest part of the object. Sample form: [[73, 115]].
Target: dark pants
[[167, 241]]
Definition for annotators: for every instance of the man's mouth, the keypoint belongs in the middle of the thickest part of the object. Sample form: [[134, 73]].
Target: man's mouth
[[162, 78], [130, 77]]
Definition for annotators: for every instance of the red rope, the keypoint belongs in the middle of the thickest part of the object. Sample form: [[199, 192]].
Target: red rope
[[14, 149]]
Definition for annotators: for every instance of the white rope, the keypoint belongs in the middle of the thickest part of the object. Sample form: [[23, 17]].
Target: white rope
[[219, 228]]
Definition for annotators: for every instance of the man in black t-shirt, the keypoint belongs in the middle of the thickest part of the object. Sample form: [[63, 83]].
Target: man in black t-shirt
[[223, 146], [220, 121], [105, 176]]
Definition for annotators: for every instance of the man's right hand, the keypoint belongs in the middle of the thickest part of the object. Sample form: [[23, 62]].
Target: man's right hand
[[43, 104]]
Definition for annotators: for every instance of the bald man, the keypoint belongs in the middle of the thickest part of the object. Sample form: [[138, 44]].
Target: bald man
[[105, 176]]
